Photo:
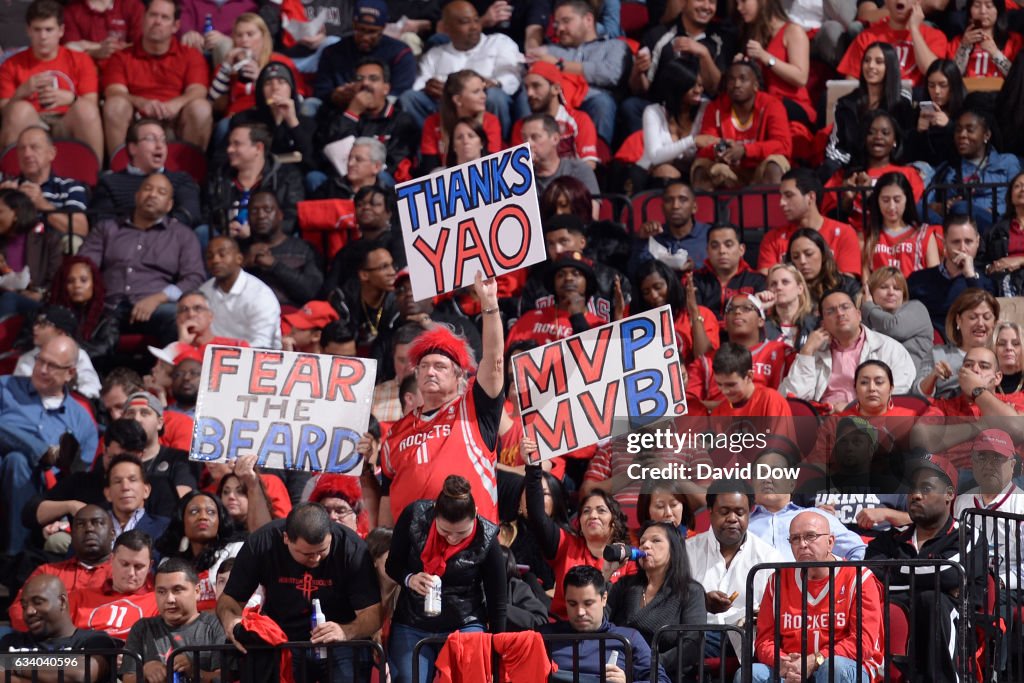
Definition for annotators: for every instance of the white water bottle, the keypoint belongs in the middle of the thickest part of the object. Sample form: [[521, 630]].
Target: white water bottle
[[432, 603], [318, 620]]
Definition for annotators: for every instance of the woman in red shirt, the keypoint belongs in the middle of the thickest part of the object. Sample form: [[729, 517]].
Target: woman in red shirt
[[894, 235], [464, 96], [784, 52], [883, 140], [656, 285], [987, 48]]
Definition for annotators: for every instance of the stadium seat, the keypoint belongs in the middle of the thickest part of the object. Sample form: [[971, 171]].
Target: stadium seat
[[647, 207], [9, 361], [10, 328], [916, 403], [184, 156], [74, 160], [616, 207], [633, 18], [899, 636], [119, 161], [804, 410]]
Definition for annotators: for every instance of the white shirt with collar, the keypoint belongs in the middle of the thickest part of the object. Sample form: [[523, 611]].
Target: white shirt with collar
[[707, 566], [496, 57], [249, 311], [1001, 548]]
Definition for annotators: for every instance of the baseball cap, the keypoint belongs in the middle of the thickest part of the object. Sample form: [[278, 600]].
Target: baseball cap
[[64, 319], [402, 274], [166, 354], [277, 70], [572, 259], [372, 12], [188, 353], [313, 315], [140, 398], [996, 441], [754, 301], [938, 464]]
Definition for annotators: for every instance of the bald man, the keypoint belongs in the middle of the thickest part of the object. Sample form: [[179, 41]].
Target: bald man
[[812, 541], [92, 535], [44, 600], [36, 413], [495, 57]]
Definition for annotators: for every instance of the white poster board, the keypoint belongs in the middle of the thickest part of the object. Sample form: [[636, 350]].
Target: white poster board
[[481, 216], [601, 383], [296, 411]]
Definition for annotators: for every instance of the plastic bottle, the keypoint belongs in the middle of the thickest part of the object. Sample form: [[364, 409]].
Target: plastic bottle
[[317, 619], [208, 24], [243, 209]]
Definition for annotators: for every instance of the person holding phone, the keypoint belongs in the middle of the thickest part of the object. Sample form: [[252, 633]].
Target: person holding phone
[[930, 143], [987, 47]]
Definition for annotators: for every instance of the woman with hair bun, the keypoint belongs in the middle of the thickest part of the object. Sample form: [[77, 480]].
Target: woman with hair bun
[[445, 543]]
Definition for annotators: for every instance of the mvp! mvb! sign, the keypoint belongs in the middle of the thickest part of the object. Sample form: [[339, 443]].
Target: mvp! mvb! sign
[[600, 383]]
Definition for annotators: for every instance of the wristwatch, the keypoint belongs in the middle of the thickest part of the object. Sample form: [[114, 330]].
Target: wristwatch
[[819, 659], [978, 391], [772, 62], [560, 64]]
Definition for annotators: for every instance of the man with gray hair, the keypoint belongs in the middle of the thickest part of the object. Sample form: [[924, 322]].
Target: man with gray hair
[[364, 165]]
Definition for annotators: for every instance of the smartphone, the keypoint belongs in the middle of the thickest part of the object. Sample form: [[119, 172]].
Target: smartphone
[[613, 658], [644, 52], [928, 107]]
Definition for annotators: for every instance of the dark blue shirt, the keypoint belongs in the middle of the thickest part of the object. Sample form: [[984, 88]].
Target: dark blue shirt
[[695, 244], [339, 61], [590, 653], [937, 290]]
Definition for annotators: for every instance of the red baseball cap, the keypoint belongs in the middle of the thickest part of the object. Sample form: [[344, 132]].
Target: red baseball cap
[[313, 315], [996, 441], [187, 352]]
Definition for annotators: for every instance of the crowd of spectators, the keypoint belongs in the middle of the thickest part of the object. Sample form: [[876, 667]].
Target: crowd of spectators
[[882, 307]]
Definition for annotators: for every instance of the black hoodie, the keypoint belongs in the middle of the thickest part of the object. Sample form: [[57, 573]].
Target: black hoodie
[[286, 140]]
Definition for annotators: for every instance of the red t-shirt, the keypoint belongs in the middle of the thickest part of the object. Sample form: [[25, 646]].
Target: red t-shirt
[[157, 77], [900, 40], [905, 252], [430, 143], [71, 70], [765, 134], [771, 360], [684, 332], [81, 22], [420, 452], [573, 551], [579, 137], [177, 430], [856, 217], [840, 238], [979, 63], [110, 612], [545, 325]]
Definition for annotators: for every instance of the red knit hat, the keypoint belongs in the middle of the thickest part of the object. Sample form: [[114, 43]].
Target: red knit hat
[[441, 340], [347, 488]]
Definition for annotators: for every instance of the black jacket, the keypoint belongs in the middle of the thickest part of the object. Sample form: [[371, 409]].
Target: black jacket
[[394, 128], [284, 180], [711, 294], [115, 196], [845, 147], [994, 246], [474, 587]]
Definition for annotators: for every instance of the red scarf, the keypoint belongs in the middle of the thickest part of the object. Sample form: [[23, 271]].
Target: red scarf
[[438, 551]]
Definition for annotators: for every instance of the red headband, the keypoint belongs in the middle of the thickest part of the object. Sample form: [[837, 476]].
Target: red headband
[[441, 340]]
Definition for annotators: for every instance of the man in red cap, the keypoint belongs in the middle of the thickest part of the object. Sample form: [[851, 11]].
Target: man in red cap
[[303, 328], [188, 368], [993, 459], [455, 431], [571, 277], [933, 534], [559, 94]]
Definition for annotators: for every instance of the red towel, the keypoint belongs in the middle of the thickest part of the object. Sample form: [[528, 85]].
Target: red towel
[[267, 629], [466, 657]]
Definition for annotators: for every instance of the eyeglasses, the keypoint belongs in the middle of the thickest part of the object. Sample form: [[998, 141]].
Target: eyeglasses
[[741, 308], [978, 456], [50, 366], [180, 374], [384, 267], [807, 539], [835, 310], [342, 512], [188, 310]]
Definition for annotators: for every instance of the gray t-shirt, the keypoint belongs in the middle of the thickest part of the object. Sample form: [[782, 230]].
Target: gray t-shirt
[[154, 639], [574, 168]]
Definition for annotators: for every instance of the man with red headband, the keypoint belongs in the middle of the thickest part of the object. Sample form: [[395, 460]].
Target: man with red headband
[[559, 94], [456, 429]]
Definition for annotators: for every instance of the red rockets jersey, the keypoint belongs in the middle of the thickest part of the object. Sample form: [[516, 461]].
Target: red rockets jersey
[[819, 622], [110, 612], [880, 31], [420, 452], [545, 325], [906, 252]]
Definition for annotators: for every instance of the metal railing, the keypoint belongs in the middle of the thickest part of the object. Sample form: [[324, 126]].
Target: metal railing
[[704, 664], [33, 665], [234, 666]]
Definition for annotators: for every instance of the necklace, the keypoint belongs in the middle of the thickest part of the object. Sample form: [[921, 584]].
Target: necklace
[[375, 323]]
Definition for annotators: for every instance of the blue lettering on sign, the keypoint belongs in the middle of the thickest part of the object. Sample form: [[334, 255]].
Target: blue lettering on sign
[[644, 387], [636, 335]]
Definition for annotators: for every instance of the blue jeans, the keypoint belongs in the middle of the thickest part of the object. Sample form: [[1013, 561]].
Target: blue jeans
[[600, 106], [20, 481], [310, 63], [342, 664], [13, 302], [846, 672], [400, 647]]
